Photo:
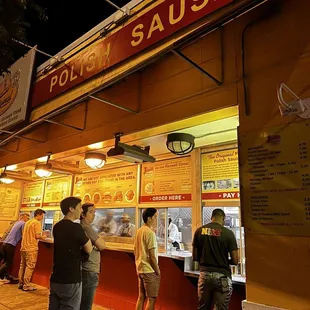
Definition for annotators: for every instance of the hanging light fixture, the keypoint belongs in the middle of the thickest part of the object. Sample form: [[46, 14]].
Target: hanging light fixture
[[4, 177], [95, 160], [43, 170], [180, 143]]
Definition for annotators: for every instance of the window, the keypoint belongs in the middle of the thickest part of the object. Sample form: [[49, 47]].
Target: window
[[173, 229], [115, 222]]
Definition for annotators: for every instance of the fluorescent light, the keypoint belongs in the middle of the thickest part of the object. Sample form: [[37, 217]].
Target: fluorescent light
[[96, 146], [42, 159], [11, 167]]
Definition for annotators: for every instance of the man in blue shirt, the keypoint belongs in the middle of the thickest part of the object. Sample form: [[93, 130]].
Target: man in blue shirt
[[10, 243]]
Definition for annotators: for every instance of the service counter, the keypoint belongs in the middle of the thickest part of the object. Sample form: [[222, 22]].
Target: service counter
[[118, 286]]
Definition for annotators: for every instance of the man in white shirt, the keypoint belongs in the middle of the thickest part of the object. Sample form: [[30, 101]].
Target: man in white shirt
[[173, 234], [146, 259]]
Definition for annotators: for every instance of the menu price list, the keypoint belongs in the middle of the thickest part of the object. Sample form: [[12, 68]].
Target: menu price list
[[276, 179], [110, 187], [55, 191], [9, 201], [167, 180], [220, 175], [32, 194]]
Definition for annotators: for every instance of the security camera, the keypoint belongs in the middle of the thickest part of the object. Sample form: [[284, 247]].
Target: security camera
[[297, 106]]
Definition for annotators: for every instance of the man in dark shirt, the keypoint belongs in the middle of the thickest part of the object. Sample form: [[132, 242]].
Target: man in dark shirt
[[69, 241], [211, 246]]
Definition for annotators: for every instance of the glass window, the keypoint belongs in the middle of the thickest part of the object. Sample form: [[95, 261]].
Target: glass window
[[174, 229], [115, 222], [232, 221], [49, 220]]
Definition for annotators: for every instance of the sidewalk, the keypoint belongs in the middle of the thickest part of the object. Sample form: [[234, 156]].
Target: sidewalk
[[11, 298]]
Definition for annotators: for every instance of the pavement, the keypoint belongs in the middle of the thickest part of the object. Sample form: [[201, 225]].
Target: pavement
[[11, 298]]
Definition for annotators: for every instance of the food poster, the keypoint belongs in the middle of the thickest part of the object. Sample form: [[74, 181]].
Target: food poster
[[275, 170], [220, 175], [166, 181], [115, 187], [9, 200], [55, 191], [32, 194]]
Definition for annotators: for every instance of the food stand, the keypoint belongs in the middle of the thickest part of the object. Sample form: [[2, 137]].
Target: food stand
[[219, 67], [170, 184]]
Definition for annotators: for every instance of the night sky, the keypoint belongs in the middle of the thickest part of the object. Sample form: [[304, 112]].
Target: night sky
[[67, 21]]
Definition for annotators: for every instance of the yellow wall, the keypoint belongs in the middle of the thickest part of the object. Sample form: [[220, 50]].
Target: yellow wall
[[276, 50], [168, 90]]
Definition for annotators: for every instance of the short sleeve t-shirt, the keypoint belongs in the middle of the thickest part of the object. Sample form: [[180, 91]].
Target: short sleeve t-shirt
[[145, 240], [15, 234], [29, 241], [69, 237], [93, 262], [213, 243]]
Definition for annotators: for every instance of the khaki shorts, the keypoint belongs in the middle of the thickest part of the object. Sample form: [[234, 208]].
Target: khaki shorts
[[149, 284]]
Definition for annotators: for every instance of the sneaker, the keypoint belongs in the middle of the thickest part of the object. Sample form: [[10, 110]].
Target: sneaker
[[29, 289], [13, 281], [4, 281], [11, 278], [20, 286]]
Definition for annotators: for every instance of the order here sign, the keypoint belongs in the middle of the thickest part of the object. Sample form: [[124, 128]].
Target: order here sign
[[155, 25]]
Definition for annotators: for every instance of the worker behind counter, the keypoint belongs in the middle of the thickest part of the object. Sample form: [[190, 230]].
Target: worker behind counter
[[173, 234], [107, 226], [126, 229]]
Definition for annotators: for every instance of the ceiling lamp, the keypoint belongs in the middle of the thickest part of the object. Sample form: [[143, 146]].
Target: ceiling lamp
[[44, 170], [4, 177], [95, 160], [180, 143]]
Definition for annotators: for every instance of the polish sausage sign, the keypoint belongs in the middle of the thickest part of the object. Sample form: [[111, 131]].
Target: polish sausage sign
[[157, 24]]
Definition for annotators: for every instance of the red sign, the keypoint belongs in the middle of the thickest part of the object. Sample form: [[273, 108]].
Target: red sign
[[221, 195], [170, 198], [155, 25]]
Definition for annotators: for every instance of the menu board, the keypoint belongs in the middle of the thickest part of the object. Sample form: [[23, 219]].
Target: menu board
[[9, 201], [166, 181], [220, 175], [32, 194], [55, 191], [116, 187], [276, 180]]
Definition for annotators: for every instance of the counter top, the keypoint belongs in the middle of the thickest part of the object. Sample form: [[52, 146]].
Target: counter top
[[237, 279], [180, 255]]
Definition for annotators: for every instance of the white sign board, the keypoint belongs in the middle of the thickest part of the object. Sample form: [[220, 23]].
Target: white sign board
[[14, 91]]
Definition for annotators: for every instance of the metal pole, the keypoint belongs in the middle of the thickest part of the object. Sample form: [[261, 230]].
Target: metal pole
[[32, 47], [180, 54], [117, 7], [112, 104]]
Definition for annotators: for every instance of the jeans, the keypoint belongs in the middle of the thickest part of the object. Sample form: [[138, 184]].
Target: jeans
[[65, 296], [89, 284], [27, 266], [214, 289], [8, 256]]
